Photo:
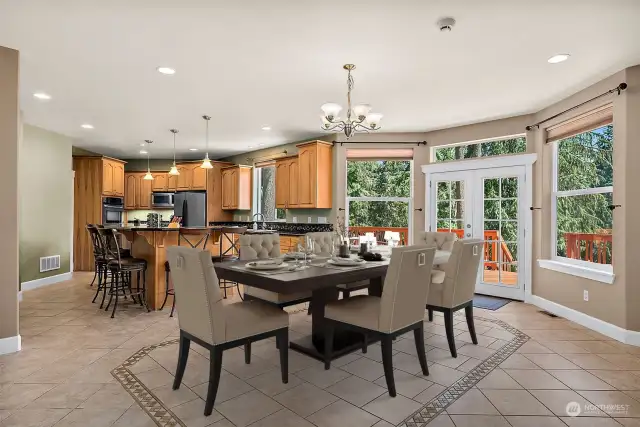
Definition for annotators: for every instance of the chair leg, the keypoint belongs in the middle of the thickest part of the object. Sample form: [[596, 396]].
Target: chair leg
[[173, 305], [166, 289], [239, 293], [247, 353], [215, 366], [448, 326], [328, 342], [468, 311], [430, 315], [387, 363], [98, 288], [309, 309], [365, 342], [104, 289], [115, 304], [95, 274], [183, 355], [346, 294], [283, 343], [418, 334]]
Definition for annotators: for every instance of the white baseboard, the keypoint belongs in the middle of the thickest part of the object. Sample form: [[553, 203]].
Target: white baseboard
[[605, 328], [45, 281], [10, 344]]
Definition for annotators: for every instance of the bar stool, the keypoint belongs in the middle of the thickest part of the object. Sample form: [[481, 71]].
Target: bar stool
[[227, 235], [182, 235], [98, 255], [121, 270]]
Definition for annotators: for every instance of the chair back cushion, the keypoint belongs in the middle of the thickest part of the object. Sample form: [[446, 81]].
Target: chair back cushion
[[441, 240], [259, 246], [322, 242], [406, 287], [461, 272], [197, 293]]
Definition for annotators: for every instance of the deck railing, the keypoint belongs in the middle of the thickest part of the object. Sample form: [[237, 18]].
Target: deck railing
[[592, 247]]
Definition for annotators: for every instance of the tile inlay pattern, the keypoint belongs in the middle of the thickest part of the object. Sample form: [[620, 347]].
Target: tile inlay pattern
[[433, 408], [163, 416]]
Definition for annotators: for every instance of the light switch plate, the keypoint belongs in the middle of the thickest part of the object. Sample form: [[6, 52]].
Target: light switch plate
[[322, 220], [309, 220], [295, 219]]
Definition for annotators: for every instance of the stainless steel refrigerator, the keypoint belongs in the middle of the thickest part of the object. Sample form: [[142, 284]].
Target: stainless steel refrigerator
[[192, 207]]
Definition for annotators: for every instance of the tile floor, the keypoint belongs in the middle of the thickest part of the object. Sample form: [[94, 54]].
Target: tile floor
[[64, 376]]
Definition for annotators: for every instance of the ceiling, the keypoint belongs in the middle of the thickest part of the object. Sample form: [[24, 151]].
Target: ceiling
[[273, 63]]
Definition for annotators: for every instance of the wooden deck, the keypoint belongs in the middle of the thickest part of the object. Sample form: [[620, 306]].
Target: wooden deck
[[508, 277]]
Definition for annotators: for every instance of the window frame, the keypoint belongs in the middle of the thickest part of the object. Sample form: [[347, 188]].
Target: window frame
[[607, 269], [408, 200], [257, 181], [434, 149]]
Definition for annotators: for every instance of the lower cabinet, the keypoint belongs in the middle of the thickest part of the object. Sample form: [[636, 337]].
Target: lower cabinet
[[289, 244]]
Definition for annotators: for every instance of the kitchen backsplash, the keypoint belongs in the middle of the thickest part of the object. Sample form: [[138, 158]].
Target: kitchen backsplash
[[283, 227], [141, 214], [300, 216]]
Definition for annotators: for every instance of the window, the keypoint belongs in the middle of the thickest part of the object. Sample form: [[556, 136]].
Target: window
[[265, 194], [512, 145], [582, 222], [379, 196]]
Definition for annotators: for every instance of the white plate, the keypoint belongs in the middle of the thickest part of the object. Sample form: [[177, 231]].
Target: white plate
[[266, 265], [348, 262]]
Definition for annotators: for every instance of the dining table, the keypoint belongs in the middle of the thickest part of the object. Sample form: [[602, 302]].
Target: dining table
[[321, 278]]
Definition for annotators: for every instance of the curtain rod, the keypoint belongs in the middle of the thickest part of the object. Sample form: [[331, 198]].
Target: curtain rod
[[419, 143], [619, 89]]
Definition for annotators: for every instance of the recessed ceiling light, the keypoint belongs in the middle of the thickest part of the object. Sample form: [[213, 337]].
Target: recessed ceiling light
[[143, 152], [193, 149], [43, 96], [166, 70], [86, 126], [251, 146], [260, 145], [266, 127], [558, 58], [143, 144]]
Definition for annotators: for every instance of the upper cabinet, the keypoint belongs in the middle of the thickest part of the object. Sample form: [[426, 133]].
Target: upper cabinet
[[287, 182], [131, 189], [112, 177], [138, 190], [315, 173], [215, 210], [192, 177], [236, 188], [160, 182]]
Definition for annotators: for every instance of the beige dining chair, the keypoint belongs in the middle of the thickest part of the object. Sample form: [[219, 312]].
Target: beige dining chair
[[399, 310], [265, 246], [322, 245], [205, 320], [452, 289], [442, 240]]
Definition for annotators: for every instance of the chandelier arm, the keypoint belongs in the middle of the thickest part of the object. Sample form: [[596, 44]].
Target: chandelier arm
[[338, 126]]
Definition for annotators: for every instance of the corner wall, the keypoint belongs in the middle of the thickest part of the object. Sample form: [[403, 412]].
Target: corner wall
[[46, 201]]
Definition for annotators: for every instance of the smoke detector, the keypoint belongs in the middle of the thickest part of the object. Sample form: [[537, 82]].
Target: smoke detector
[[446, 24]]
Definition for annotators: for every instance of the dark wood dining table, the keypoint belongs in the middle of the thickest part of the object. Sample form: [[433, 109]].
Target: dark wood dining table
[[322, 282]]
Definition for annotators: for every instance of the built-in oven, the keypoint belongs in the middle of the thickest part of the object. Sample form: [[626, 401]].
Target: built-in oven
[[112, 210], [162, 200]]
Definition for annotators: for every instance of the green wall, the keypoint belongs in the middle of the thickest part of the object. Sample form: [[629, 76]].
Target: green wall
[[46, 201]]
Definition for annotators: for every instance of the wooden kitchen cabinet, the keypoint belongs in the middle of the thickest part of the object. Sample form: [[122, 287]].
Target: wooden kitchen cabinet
[[172, 182], [192, 177], [112, 177], [236, 187], [215, 210], [138, 191], [160, 182], [314, 174], [183, 182], [130, 191], [287, 182], [198, 177]]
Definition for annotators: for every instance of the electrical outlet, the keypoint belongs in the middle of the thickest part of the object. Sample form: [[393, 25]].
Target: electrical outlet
[[308, 220], [295, 219], [586, 295], [322, 220]]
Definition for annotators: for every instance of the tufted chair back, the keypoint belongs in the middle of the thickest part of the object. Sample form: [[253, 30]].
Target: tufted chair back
[[442, 241], [259, 246], [322, 242]]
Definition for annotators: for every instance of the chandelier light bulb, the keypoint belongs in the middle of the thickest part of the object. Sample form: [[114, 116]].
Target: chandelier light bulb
[[361, 111], [374, 120], [331, 111]]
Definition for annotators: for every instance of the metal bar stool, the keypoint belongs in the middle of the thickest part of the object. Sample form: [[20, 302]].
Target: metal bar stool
[[227, 236], [121, 270], [201, 243], [100, 261]]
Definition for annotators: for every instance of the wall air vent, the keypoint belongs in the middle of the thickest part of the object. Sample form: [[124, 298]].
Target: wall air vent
[[49, 263]]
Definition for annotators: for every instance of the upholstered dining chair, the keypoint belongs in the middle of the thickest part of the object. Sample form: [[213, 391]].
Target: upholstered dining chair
[[399, 310], [207, 321], [443, 241], [452, 289], [322, 244], [264, 246]]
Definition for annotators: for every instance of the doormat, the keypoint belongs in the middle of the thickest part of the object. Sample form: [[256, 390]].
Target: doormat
[[489, 303]]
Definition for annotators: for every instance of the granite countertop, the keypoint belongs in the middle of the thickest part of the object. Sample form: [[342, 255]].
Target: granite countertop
[[282, 228], [146, 228]]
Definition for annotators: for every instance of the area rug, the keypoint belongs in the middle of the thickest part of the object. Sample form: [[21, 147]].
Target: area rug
[[489, 303]]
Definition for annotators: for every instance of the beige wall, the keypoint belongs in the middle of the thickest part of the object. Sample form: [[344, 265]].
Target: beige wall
[[46, 201], [9, 141]]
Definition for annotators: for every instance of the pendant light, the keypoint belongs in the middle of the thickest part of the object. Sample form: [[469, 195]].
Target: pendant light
[[148, 176], [174, 170], [206, 163]]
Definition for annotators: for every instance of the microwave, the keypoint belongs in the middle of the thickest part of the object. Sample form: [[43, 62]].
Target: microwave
[[162, 200]]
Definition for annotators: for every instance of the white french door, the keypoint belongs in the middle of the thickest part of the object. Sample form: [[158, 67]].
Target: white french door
[[488, 204]]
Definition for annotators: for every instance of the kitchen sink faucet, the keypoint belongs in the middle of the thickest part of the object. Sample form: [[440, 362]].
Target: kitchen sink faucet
[[255, 223]]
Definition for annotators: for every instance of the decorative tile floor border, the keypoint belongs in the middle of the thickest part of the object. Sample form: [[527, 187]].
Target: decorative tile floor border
[[163, 416], [435, 406]]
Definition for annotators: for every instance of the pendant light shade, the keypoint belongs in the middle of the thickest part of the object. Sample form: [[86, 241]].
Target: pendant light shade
[[148, 176], [174, 170], [206, 163]]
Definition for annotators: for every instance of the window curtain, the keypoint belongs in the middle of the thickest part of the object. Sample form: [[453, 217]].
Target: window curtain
[[585, 122], [380, 153]]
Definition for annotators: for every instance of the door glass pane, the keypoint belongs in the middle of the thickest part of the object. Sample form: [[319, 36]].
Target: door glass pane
[[500, 221], [450, 208]]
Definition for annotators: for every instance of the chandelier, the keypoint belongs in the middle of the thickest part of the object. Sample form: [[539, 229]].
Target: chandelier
[[362, 121]]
